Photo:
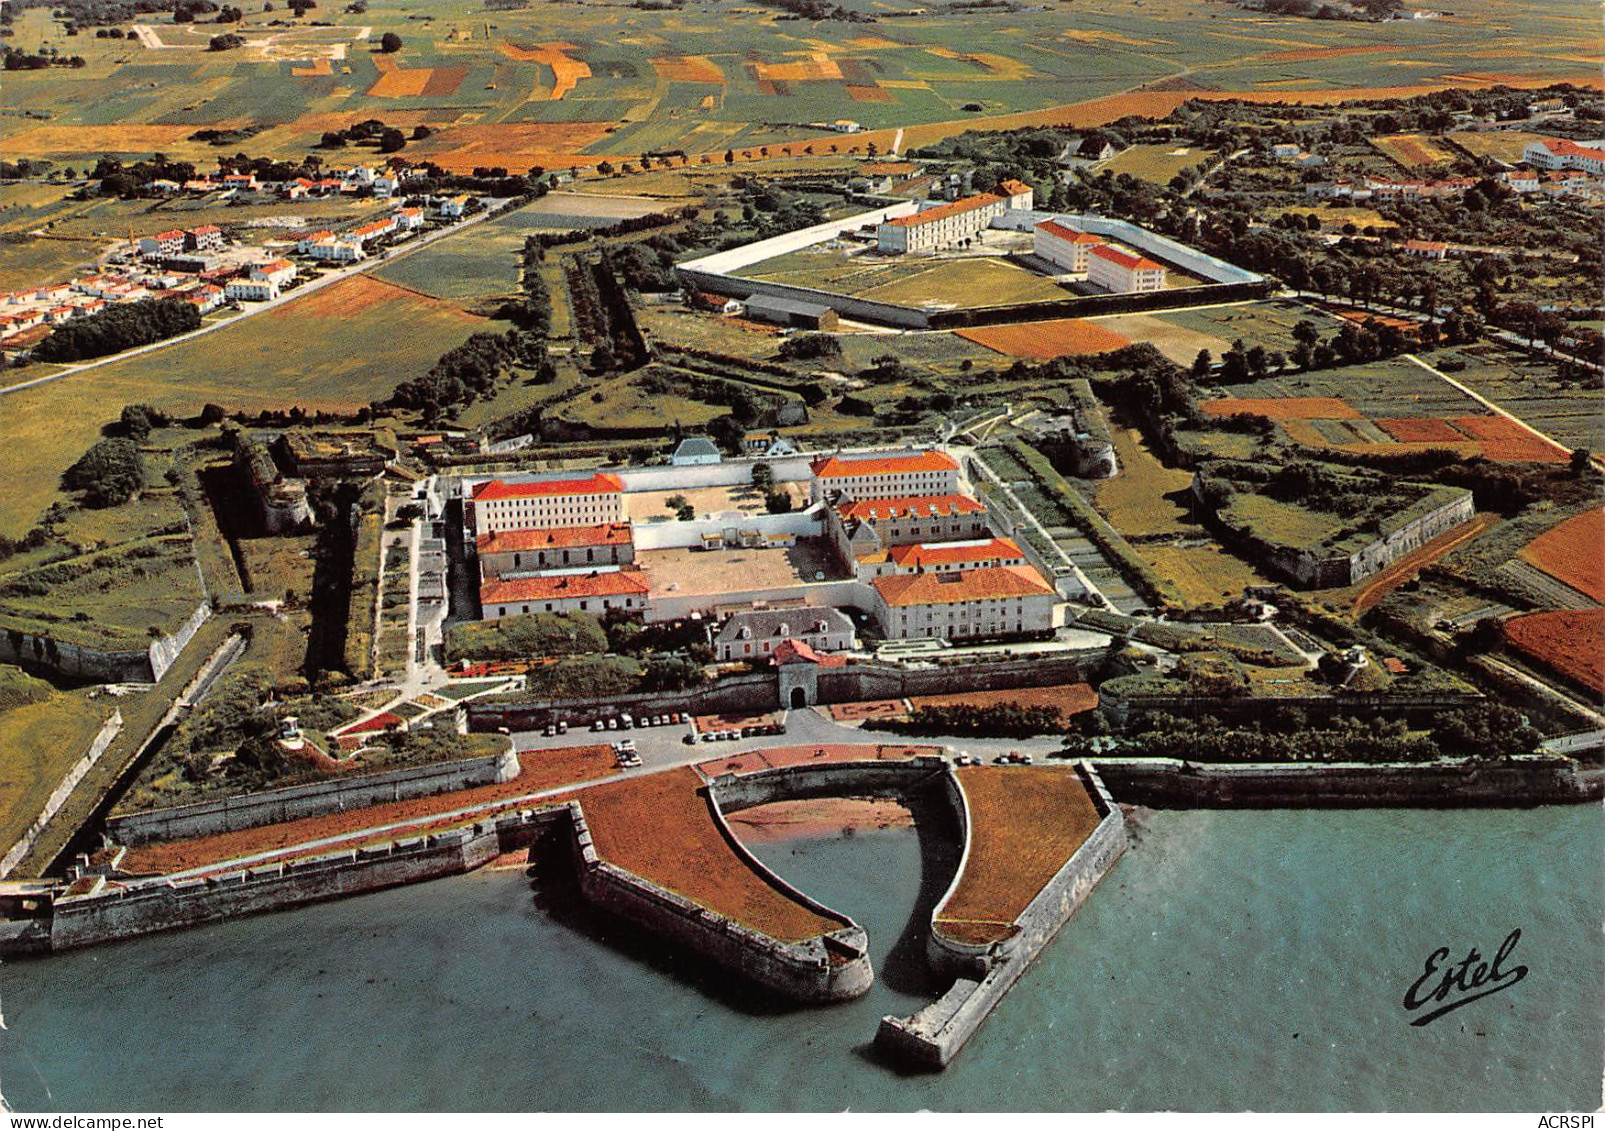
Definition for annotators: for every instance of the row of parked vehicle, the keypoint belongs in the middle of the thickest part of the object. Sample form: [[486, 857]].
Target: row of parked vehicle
[[627, 721], [732, 734]]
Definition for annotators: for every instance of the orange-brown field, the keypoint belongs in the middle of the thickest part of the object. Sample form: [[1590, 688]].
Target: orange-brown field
[[660, 827], [1283, 408], [1069, 698], [1043, 341], [430, 82], [1025, 822], [1573, 553], [1571, 641], [512, 145], [1412, 151], [566, 72], [94, 139], [687, 68], [1421, 430], [1506, 441]]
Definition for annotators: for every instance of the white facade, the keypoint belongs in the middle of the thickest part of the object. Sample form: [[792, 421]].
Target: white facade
[[497, 506], [885, 477], [1062, 245], [250, 290], [942, 226], [1122, 273]]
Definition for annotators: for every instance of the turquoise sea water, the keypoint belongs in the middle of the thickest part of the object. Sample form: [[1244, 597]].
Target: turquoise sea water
[[1230, 961]]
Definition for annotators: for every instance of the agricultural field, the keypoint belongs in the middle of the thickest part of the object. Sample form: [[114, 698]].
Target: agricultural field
[[1573, 553], [1268, 323], [1501, 145], [1570, 641], [31, 262], [1565, 411], [1338, 217], [1178, 343], [1413, 152], [556, 87], [1043, 341], [338, 349], [1157, 163]]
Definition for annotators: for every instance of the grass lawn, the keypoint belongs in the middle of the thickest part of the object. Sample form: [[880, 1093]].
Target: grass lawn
[[1157, 164], [1283, 523], [39, 743], [621, 402], [1202, 575], [978, 281], [1134, 500]]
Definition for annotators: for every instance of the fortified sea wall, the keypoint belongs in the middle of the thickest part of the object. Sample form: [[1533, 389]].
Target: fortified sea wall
[[1167, 782], [931, 1038], [315, 799], [137, 665]]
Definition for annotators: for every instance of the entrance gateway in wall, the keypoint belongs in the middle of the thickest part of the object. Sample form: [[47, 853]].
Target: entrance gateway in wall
[[799, 698]]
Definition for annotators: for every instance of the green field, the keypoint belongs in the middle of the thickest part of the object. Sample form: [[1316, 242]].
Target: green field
[[1157, 163], [39, 743], [909, 280], [339, 348]]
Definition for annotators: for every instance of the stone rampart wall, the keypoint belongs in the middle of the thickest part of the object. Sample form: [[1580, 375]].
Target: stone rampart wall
[[58, 796], [315, 799]]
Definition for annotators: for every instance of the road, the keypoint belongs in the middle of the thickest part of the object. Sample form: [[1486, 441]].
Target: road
[[255, 309], [1485, 402]]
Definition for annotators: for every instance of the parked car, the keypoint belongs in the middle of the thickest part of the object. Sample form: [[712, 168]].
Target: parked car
[[613, 724], [562, 727], [550, 730], [599, 725]]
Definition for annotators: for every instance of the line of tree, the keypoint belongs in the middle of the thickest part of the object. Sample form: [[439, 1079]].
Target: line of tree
[[118, 328]]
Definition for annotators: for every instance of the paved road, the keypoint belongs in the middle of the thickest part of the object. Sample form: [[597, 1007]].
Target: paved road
[[255, 309]]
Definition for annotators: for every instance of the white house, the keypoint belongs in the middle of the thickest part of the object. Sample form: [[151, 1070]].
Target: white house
[[885, 477], [454, 207], [162, 244], [951, 605], [250, 290], [942, 226], [409, 219], [756, 634], [277, 271], [694, 451], [594, 592]]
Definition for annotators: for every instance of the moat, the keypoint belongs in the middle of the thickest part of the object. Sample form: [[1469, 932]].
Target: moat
[[1230, 960]]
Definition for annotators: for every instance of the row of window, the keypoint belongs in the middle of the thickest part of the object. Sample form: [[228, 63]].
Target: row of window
[[584, 606]]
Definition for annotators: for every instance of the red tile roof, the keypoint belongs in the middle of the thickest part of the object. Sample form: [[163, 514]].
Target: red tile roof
[[1014, 188], [1561, 147], [910, 506], [1425, 245], [948, 553], [206, 230], [175, 234], [838, 467], [557, 538], [951, 208], [954, 587], [1054, 228], [1126, 260], [599, 484], [619, 583], [791, 651]]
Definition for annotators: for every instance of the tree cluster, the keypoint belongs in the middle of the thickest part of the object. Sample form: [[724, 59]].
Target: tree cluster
[[118, 328]]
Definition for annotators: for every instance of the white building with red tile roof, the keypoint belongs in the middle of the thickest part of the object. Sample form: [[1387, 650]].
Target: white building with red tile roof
[[958, 604], [1018, 194], [279, 272], [596, 592], [1121, 272], [880, 476], [497, 505], [945, 225], [162, 244], [507, 552], [207, 237], [1062, 245], [1559, 153]]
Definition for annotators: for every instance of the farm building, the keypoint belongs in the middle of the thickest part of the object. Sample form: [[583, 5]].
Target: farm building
[[694, 451], [1558, 153], [1425, 249], [790, 312]]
